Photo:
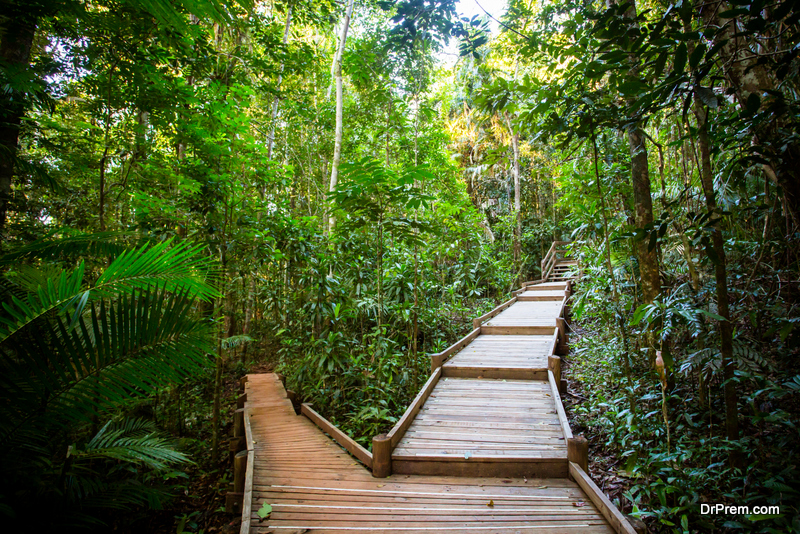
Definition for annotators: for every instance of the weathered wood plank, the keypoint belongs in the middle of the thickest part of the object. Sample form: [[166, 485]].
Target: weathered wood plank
[[606, 507]]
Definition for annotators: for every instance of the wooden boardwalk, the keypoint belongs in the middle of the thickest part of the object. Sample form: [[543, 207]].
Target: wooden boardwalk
[[484, 447]]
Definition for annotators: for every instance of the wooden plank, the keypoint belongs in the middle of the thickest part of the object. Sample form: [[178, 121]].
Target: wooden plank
[[515, 467], [505, 373], [606, 507], [439, 358], [517, 330], [396, 434], [340, 437], [562, 416], [476, 323]]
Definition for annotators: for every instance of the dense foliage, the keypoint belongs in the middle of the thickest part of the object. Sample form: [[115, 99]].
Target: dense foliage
[[189, 190]]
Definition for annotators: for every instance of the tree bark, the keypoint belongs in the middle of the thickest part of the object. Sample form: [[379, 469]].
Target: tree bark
[[337, 146], [642, 196], [643, 204]]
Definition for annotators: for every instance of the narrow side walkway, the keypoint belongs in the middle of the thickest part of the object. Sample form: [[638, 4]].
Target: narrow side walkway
[[314, 486]]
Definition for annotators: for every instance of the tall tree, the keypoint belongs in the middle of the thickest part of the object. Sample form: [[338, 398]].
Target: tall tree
[[337, 141]]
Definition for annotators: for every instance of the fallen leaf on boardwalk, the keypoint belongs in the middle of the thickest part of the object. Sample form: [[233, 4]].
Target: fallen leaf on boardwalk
[[542, 487], [491, 504], [525, 480], [264, 512], [381, 485], [579, 504]]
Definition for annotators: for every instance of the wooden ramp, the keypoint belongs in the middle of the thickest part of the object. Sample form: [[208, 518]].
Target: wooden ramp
[[484, 447]]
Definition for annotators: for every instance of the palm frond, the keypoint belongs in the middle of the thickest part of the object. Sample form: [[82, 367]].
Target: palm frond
[[178, 268], [118, 351], [64, 244]]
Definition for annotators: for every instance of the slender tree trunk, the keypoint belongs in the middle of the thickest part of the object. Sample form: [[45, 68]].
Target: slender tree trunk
[[717, 253], [649, 273], [15, 51], [517, 193], [337, 73]]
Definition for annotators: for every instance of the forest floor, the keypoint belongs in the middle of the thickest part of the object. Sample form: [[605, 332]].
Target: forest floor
[[602, 461]]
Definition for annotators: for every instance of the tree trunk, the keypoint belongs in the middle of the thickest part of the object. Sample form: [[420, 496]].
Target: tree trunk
[[717, 253], [643, 204], [15, 52], [517, 194], [642, 196], [337, 146]]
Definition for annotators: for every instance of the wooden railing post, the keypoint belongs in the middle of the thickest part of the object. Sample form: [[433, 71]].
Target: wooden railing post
[[233, 500], [554, 364], [381, 456], [561, 347], [238, 423], [578, 452]]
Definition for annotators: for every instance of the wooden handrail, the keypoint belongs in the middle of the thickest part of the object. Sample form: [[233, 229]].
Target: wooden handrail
[[247, 498], [476, 323], [599, 499], [438, 359], [348, 443], [562, 415]]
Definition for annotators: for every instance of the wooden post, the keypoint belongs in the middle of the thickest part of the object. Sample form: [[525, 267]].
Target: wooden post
[[240, 400], [578, 452], [381, 456], [239, 471], [242, 382], [436, 361], [236, 445], [562, 386], [561, 347], [554, 364], [233, 501], [238, 423]]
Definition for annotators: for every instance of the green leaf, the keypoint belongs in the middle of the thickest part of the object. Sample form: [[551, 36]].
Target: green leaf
[[679, 63], [753, 104], [697, 55], [706, 96], [264, 511]]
